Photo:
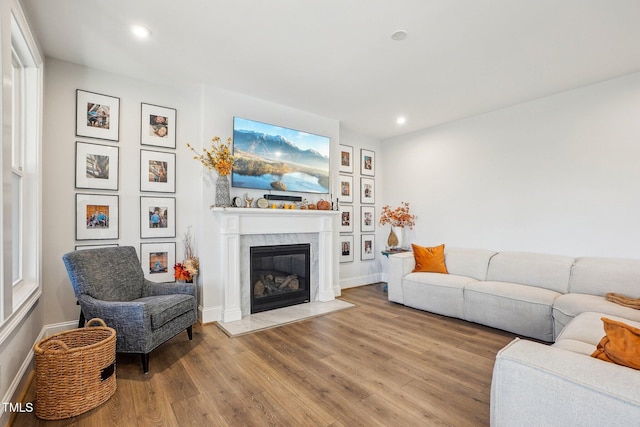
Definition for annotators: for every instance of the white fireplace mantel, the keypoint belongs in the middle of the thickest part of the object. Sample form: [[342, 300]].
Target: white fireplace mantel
[[234, 223]]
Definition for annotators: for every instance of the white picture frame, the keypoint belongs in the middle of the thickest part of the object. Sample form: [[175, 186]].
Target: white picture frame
[[157, 217], [157, 171], [346, 219], [346, 159], [97, 216], [345, 190], [346, 248], [367, 247], [367, 191], [97, 115], [96, 166], [367, 219], [157, 125], [157, 260], [367, 162]]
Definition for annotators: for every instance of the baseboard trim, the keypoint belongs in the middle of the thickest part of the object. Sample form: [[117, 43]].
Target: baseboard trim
[[352, 282]]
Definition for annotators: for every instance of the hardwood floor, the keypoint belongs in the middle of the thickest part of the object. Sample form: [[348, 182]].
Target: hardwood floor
[[377, 364]]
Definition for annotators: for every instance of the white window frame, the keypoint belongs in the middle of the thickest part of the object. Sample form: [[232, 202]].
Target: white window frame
[[23, 121]]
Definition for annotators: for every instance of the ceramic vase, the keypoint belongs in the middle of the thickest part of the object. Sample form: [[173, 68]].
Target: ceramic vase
[[223, 193]]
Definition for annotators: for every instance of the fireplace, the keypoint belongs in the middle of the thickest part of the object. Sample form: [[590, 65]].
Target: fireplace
[[280, 276]]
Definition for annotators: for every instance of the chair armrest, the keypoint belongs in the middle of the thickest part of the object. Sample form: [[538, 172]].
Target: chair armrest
[[152, 288], [116, 314], [399, 266], [537, 384]]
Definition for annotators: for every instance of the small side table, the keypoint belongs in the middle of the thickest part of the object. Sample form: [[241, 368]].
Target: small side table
[[388, 252]]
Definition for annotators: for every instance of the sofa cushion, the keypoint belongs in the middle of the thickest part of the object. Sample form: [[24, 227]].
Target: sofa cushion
[[568, 306], [512, 307], [435, 292], [544, 271], [165, 308], [468, 262], [597, 276], [620, 345], [429, 259]]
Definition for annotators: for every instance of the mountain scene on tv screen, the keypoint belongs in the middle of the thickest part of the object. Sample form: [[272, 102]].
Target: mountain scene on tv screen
[[273, 162]]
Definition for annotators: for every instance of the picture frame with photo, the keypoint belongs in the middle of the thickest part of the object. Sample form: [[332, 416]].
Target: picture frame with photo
[[367, 162], [157, 125], [157, 260], [367, 219], [97, 115], [346, 189], [97, 216], [367, 247], [346, 248], [346, 219], [96, 166], [157, 171], [157, 217], [367, 190], [346, 159], [83, 247]]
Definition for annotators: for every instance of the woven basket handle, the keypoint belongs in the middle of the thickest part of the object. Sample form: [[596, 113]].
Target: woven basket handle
[[97, 320], [47, 345]]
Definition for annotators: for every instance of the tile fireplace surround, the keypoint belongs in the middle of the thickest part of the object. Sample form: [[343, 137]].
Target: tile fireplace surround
[[237, 229]]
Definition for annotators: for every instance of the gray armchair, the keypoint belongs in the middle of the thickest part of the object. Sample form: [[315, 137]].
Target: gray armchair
[[109, 284]]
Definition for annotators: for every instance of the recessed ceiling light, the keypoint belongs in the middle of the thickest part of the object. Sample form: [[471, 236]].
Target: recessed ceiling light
[[399, 35], [401, 120], [140, 31]]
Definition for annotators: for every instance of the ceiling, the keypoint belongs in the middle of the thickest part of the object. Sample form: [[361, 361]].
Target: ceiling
[[336, 58]]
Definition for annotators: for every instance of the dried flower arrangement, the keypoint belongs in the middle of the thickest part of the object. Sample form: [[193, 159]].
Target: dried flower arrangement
[[399, 217], [219, 157], [187, 269]]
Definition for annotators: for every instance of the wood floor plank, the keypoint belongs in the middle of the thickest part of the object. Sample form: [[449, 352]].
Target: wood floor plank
[[376, 364]]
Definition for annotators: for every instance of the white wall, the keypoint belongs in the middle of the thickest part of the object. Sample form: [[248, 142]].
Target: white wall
[[361, 272], [556, 175], [61, 81]]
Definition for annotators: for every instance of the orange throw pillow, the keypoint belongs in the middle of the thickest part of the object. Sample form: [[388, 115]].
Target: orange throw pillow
[[430, 260], [620, 345]]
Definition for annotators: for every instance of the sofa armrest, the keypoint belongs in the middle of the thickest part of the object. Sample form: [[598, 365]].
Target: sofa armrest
[[536, 384], [400, 265]]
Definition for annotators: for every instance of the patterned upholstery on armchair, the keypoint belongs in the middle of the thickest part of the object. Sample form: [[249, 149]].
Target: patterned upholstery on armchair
[[109, 283]]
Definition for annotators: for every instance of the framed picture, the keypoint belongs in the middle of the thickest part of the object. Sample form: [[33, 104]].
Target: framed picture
[[157, 171], [158, 126], [96, 216], [367, 162], [157, 260], [96, 166], [157, 217], [346, 159], [367, 190], [346, 189], [346, 248], [346, 219], [97, 116], [367, 247], [367, 219], [83, 247]]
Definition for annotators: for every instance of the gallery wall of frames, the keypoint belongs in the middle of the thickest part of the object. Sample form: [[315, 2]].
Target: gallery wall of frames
[[357, 217], [97, 174]]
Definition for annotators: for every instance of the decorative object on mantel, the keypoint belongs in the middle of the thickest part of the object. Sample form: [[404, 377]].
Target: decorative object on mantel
[[248, 200], [399, 218], [219, 157], [187, 270]]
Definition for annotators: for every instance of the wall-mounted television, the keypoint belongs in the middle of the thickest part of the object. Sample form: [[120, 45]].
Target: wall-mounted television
[[269, 157]]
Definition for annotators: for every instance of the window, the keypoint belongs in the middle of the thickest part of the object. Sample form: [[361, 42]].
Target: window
[[20, 192]]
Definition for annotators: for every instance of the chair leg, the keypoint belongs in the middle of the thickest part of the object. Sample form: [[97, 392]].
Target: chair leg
[[190, 332], [81, 320], [145, 362]]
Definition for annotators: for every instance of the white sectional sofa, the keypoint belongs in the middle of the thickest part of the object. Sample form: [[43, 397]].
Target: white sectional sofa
[[548, 298]]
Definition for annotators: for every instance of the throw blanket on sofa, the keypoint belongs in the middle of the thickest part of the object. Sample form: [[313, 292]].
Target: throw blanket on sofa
[[623, 300]]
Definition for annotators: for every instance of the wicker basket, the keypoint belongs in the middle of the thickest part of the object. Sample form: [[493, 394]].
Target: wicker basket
[[75, 371]]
